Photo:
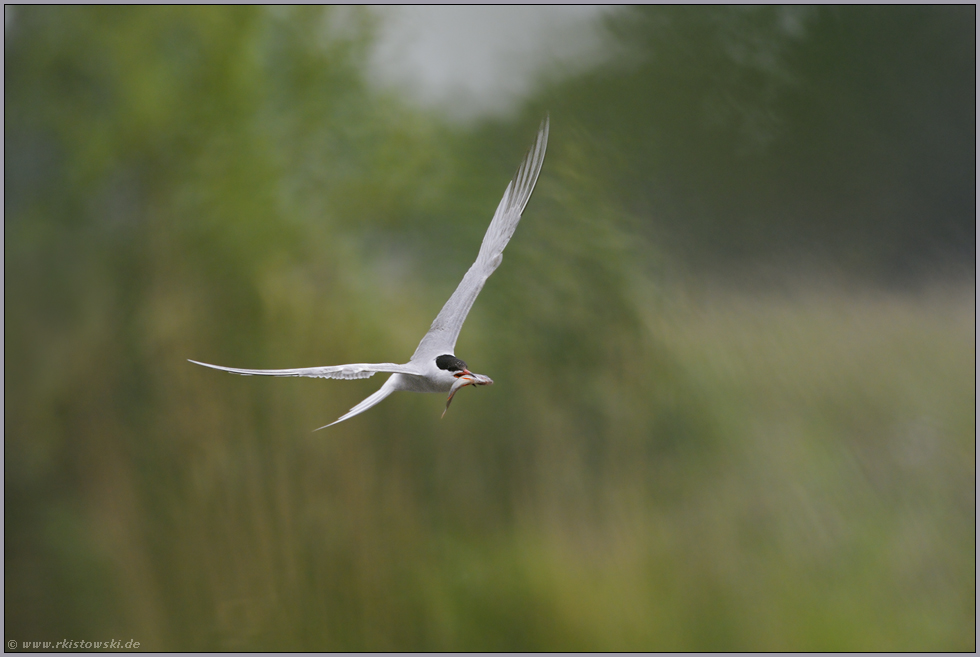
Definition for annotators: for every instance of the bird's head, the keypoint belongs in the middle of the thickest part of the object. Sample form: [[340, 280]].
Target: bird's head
[[464, 377]]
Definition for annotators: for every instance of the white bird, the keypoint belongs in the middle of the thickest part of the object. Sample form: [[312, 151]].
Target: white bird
[[434, 367]]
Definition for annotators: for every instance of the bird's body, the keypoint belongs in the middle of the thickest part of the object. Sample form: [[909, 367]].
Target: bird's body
[[434, 366]]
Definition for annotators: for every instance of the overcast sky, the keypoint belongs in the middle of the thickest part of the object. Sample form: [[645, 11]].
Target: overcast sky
[[478, 61]]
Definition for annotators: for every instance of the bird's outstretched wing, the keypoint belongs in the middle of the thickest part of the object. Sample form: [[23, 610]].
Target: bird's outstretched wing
[[353, 371], [445, 329], [389, 387]]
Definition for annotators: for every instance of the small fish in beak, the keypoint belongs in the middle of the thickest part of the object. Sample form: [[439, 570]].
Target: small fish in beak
[[467, 378]]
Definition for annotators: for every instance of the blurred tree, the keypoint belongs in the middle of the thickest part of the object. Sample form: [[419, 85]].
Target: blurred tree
[[146, 149], [842, 136]]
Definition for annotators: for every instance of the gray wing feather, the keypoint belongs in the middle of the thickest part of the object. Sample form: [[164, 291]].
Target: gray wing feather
[[353, 371], [445, 328]]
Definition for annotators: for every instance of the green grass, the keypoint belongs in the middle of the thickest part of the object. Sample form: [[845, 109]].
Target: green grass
[[826, 503]]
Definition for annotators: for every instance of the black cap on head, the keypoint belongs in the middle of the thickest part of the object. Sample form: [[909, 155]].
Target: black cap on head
[[451, 363]]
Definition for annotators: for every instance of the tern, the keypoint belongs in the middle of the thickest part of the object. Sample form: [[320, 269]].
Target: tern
[[434, 366]]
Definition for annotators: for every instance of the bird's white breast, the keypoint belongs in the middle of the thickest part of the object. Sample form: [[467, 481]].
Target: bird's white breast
[[433, 380]]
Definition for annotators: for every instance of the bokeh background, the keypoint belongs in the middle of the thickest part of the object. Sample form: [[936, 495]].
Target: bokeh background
[[732, 339]]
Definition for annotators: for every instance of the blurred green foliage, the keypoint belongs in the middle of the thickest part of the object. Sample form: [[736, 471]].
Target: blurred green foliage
[[832, 133], [667, 461]]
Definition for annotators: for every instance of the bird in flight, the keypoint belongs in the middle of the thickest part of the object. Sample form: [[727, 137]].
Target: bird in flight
[[434, 367]]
